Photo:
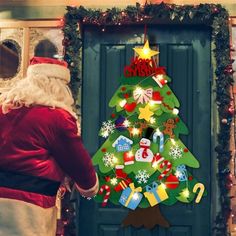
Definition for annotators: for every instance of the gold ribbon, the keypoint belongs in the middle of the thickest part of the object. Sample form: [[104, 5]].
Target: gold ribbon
[[133, 191]]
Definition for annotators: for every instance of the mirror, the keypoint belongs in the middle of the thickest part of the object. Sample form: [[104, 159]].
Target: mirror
[[45, 48], [9, 58]]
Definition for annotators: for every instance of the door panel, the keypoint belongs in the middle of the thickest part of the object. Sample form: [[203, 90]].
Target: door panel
[[185, 52]]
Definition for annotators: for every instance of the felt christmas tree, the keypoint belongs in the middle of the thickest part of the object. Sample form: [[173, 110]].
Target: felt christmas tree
[[143, 162]]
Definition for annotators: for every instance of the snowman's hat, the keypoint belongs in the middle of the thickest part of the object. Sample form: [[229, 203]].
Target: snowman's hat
[[149, 132]]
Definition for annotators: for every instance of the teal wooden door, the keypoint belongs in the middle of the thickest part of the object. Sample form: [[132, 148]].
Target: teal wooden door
[[185, 51]]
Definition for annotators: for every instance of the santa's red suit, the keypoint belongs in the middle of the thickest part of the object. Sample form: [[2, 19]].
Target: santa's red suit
[[38, 147]]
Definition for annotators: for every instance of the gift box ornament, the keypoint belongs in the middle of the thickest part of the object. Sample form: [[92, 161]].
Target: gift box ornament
[[155, 194], [131, 197], [122, 144]]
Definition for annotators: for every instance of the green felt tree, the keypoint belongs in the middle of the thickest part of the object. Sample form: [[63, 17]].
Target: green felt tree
[[143, 163]]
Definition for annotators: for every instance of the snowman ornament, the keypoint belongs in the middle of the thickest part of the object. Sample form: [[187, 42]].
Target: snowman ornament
[[144, 154]]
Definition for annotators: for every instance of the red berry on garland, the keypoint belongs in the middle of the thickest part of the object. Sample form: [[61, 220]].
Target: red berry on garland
[[126, 95], [123, 88], [168, 92], [185, 150], [130, 106], [190, 178], [172, 182], [177, 119], [113, 115], [104, 150]]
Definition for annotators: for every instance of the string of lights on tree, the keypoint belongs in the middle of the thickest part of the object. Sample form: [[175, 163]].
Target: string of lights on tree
[[213, 15]]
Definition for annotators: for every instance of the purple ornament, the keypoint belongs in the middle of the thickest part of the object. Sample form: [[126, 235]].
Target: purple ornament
[[119, 123]]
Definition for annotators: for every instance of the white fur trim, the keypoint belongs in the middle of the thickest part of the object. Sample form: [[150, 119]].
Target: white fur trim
[[89, 192], [18, 218], [50, 70]]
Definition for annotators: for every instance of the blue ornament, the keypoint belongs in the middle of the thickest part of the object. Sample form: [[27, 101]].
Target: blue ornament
[[182, 173]]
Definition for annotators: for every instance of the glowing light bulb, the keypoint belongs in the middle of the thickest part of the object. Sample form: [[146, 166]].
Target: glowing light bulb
[[154, 164], [186, 193], [114, 181], [146, 51], [139, 91], [152, 120], [135, 131], [175, 111], [122, 103], [178, 173], [105, 134], [158, 131], [126, 123], [172, 141], [152, 103], [163, 186], [114, 159], [130, 154], [135, 196]]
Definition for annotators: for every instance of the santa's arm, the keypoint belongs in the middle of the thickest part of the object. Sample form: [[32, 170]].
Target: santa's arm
[[73, 158]]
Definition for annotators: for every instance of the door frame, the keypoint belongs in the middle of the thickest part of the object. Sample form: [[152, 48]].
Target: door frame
[[205, 14]]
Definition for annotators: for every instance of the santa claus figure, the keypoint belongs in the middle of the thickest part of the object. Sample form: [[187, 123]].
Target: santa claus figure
[[39, 146]]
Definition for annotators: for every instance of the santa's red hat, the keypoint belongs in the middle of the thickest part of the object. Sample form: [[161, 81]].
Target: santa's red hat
[[49, 67]]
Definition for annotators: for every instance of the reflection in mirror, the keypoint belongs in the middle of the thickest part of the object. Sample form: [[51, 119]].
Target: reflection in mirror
[[45, 48], [9, 58]]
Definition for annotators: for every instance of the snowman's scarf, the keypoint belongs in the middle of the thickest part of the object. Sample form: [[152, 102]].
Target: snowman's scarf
[[145, 148]]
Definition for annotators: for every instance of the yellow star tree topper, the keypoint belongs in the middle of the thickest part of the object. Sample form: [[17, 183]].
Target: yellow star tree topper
[[146, 52]]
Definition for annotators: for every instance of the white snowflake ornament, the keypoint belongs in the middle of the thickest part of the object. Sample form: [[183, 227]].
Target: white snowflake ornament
[[109, 159], [142, 176], [176, 152], [107, 128]]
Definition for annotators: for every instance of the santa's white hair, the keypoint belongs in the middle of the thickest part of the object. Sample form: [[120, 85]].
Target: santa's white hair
[[37, 89]]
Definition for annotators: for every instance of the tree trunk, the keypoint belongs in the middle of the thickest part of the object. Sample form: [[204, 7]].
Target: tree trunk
[[146, 217]]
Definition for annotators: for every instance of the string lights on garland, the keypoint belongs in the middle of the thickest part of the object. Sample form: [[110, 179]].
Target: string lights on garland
[[213, 15]]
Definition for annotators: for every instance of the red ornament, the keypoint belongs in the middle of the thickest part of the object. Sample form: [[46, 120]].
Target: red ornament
[[123, 89], [168, 92], [177, 119], [113, 115], [172, 182], [103, 149], [126, 95], [190, 178], [128, 158], [156, 96], [130, 106], [185, 150], [107, 178]]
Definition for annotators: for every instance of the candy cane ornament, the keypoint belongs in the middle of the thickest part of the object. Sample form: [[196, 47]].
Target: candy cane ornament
[[159, 134], [167, 170], [107, 194], [200, 193]]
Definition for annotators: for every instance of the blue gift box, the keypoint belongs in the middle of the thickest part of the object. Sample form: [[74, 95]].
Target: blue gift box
[[131, 197]]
